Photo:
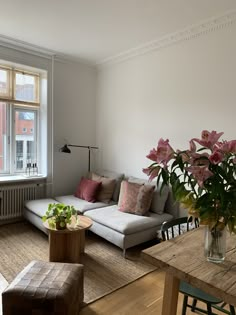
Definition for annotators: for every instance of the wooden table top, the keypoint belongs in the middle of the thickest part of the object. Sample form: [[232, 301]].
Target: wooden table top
[[184, 258], [83, 223]]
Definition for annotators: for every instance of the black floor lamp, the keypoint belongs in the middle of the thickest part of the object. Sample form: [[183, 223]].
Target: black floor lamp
[[65, 149]]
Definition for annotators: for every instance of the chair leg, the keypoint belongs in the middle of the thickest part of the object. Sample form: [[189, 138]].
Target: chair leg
[[194, 305], [209, 310], [232, 310], [185, 302]]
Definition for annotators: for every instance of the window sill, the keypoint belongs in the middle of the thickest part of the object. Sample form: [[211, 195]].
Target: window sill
[[20, 178]]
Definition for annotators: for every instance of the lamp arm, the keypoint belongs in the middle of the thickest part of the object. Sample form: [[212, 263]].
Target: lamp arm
[[82, 146]]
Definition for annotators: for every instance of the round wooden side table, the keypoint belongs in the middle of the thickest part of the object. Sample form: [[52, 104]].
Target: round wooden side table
[[67, 245]]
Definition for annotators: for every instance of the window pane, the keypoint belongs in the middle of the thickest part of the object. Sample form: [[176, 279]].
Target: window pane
[[4, 83], [25, 121], [3, 138], [26, 87], [19, 154]]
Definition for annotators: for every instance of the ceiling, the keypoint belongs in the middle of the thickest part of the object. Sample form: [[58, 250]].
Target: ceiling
[[95, 30]]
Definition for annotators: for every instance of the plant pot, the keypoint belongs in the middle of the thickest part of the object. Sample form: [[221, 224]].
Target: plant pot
[[215, 244], [59, 227]]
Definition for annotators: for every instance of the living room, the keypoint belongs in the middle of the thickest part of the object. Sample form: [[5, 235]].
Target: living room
[[120, 76]]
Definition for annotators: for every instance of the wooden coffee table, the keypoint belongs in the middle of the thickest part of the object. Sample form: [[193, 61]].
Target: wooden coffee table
[[67, 245]]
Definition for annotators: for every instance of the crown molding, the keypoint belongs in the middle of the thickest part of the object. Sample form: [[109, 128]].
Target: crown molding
[[185, 34], [39, 51]]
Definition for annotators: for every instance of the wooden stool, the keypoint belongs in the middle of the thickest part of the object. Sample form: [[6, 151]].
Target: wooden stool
[[45, 288]]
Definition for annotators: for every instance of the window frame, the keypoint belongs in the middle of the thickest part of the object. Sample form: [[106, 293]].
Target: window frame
[[11, 97], [9, 79], [36, 91], [7, 160]]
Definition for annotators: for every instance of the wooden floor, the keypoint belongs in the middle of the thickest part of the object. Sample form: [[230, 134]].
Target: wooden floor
[[142, 297]]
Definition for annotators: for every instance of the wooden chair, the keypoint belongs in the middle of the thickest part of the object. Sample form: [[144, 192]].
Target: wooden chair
[[170, 230]]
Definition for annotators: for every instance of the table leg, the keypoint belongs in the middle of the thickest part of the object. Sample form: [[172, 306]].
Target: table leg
[[171, 292], [74, 247], [82, 240], [57, 246]]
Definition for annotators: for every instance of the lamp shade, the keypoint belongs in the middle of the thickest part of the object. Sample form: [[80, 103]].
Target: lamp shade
[[65, 149]]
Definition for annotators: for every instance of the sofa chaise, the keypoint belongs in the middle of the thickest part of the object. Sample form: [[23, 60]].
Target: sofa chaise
[[125, 230]]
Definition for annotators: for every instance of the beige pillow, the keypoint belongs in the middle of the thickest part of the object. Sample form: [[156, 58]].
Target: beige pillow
[[107, 187]]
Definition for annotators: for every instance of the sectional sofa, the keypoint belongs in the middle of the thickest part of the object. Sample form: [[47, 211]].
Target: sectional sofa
[[125, 230]]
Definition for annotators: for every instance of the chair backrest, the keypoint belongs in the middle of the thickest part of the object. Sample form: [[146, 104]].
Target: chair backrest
[[174, 227]]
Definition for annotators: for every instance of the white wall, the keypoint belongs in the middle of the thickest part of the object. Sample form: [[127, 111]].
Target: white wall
[[172, 93], [74, 122]]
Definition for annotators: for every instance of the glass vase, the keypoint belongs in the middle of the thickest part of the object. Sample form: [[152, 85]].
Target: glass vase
[[215, 244]]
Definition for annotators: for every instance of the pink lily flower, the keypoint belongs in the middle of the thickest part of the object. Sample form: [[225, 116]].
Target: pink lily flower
[[197, 159], [193, 146], [152, 172], [232, 145], [200, 173], [164, 152], [216, 157], [209, 139], [152, 155]]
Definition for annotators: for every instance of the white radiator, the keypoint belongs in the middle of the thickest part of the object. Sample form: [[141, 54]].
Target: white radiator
[[12, 199]]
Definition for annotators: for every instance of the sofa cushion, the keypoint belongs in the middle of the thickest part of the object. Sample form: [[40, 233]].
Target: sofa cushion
[[135, 198], [80, 204], [117, 176], [39, 206], [126, 223], [159, 198], [106, 189], [87, 189]]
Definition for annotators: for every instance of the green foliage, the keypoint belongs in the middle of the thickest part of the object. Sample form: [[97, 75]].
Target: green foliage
[[59, 213], [215, 201]]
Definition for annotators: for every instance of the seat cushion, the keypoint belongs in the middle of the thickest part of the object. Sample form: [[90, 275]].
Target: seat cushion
[[39, 206], [80, 204], [126, 223]]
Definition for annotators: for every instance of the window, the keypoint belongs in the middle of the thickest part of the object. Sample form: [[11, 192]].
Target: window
[[19, 116], [25, 89], [4, 148], [27, 152], [5, 87], [19, 154]]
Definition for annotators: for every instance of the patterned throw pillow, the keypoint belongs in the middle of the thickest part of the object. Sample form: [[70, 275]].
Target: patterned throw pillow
[[87, 189], [106, 189], [135, 198]]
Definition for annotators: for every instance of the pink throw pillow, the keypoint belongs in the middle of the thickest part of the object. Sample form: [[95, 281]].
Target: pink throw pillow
[[87, 189], [135, 198]]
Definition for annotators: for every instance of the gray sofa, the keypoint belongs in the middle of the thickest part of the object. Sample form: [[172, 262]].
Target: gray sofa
[[125, 230]]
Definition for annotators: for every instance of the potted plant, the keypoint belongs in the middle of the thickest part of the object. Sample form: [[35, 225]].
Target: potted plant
[[59, 215], [203, 180]]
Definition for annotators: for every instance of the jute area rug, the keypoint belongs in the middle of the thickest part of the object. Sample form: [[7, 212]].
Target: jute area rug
[[105, 268]]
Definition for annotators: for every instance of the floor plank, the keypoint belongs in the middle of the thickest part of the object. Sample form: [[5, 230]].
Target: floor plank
[[142, 297]]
